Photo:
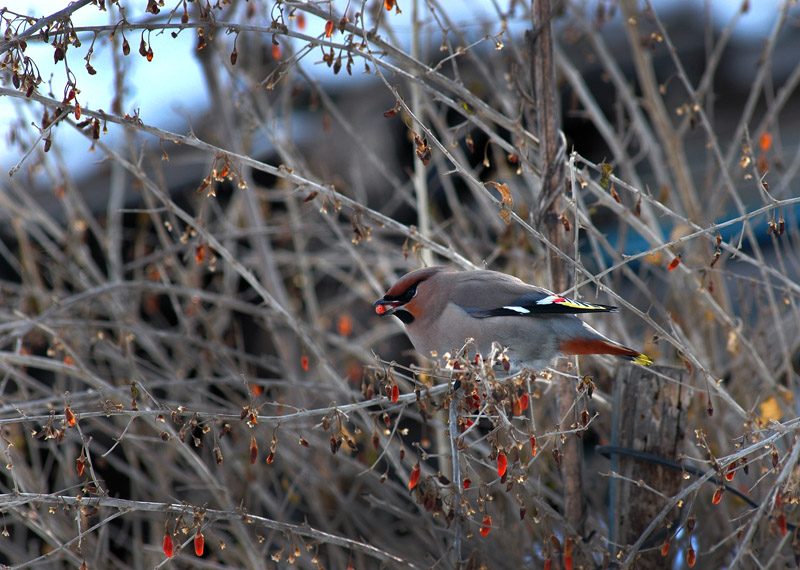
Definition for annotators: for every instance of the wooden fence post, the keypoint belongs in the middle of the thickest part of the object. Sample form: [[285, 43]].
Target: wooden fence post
[[650, 407]]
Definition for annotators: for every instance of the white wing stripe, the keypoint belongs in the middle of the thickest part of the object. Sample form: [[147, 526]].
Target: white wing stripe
[[520, 310]]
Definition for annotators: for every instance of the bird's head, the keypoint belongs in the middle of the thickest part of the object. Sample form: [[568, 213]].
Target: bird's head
[[409, 297]]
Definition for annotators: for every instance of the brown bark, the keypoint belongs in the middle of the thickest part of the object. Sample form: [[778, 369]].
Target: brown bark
[[650, 417], [551, 204]]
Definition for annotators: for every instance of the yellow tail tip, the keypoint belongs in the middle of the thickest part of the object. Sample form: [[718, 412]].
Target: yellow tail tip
[[642, 359]]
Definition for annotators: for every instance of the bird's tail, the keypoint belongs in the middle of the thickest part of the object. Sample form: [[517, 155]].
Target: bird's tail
[[604, 346]]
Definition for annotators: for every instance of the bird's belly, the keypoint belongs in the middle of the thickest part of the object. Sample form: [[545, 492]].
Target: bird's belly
[[527, 345], [531, 341]]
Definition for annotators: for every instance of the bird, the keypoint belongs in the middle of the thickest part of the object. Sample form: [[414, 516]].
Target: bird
[[441, 308]]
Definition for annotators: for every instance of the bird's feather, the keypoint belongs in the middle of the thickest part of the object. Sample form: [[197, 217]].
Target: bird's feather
[[512, 297]]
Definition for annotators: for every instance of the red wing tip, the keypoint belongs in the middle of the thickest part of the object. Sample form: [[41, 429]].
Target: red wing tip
[[579, 306]]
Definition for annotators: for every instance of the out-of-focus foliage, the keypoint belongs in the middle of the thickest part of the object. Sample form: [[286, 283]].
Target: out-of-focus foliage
[[190, 364]]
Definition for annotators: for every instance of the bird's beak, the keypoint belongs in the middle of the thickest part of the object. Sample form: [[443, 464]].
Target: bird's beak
[[384, 308]]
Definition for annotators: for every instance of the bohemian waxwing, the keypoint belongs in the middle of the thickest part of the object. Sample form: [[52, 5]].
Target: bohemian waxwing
[[441, 308]]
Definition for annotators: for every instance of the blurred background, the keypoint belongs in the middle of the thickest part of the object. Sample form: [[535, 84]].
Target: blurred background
[[201, 201]]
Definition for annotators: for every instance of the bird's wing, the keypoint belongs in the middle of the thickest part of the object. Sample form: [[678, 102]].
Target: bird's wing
[[490, 294]]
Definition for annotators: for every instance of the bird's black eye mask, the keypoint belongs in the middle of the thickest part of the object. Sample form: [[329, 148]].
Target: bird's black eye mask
[[392, 304], [402, 298], [408, 294]]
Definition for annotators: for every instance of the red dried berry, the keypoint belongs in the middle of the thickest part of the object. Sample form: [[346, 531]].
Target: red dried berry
[[413, 479], [169, 546], [486, 525], [502, 464]]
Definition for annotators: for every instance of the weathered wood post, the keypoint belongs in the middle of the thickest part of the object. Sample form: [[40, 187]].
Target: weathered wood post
[[649, 416], [552, 162]]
